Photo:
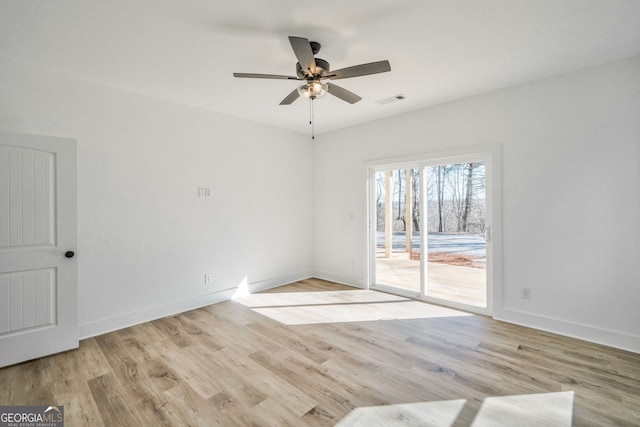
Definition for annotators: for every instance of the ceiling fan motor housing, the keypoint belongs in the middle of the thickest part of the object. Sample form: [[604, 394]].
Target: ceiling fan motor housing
[[322, 68], [315, 47]]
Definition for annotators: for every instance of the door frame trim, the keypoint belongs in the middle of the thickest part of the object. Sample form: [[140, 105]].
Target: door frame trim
[[492, 155]]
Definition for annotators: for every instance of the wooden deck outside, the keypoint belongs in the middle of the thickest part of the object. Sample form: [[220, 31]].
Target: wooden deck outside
[[465, 285]]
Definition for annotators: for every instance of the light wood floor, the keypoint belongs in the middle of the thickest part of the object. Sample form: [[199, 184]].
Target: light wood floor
[[229, 364]]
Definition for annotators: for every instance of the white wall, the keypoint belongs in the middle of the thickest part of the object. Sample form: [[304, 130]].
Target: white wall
[[145, 239], [571, 195]]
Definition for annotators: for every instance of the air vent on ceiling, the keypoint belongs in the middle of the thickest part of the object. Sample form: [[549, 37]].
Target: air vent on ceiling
[[385, 101]]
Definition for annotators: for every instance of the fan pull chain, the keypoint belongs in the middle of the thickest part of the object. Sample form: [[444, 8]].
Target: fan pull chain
[[312, 118]]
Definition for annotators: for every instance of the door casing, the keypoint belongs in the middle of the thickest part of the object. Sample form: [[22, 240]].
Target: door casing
[[491, 155]]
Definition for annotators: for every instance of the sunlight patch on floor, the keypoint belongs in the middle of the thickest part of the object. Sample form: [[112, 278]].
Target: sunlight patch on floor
[[428, 414], [266, 299], [545, 409], [300, 308]]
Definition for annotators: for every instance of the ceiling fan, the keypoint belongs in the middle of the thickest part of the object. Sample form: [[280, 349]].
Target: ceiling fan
[[313, 71]]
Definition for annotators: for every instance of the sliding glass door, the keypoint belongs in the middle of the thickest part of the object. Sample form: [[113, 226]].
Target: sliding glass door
[[456, 241], [397, 236], [430, 225]]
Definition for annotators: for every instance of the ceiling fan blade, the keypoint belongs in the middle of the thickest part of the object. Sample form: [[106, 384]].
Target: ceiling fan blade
[[302, 49], [290, 98], [264, 76], [343, 94], [360, 70]]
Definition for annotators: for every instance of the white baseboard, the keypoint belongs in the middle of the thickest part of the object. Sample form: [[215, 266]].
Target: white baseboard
[[110, 324], [592, 334], [264, 285], [338, 278]]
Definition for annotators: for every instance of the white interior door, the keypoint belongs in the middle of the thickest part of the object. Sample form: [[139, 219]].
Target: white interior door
[[38, 269]]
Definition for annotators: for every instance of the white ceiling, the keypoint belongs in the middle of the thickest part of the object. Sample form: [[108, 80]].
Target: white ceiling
[[440, 50]]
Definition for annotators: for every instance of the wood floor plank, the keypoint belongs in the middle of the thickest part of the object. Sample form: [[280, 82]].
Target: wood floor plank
[[319, 416], [69, 383], [80, 409], [193, 368], [275, 387], [231, 364], [122, 364], [151, 407], [283, 337], [226, 332], [309, 379], [28, 383], [188, 408], [233, 382], [172, 328], [113, 402]]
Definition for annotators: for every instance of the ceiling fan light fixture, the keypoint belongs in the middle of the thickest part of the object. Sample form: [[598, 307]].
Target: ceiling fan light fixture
[[313, 89]]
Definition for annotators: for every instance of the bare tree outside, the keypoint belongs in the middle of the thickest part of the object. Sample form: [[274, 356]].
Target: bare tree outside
[[398, 195], [416, 199], [450, 207], [456, 198]]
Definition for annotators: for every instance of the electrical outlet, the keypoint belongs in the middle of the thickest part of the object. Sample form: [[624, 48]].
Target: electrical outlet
[[526, 293], [204, 192], [207, 278]]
